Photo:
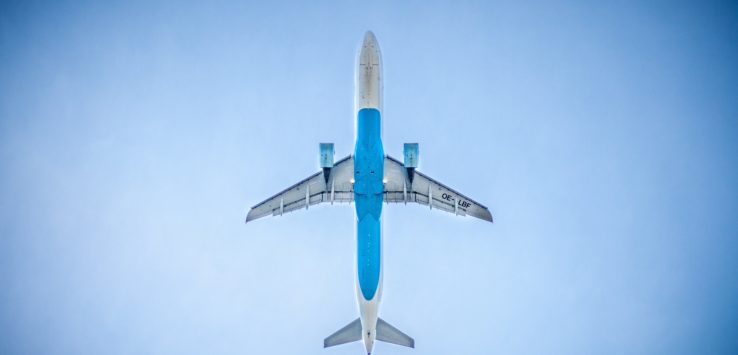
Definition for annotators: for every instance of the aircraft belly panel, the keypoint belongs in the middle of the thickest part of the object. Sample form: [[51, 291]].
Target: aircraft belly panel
[[368, 195]]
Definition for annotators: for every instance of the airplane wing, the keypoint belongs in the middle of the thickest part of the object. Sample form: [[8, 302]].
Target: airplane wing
[[408, 185], [337, 187]]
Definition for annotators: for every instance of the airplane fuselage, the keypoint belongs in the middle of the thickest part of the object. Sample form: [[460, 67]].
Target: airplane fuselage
[[369, 186], [368, 178]]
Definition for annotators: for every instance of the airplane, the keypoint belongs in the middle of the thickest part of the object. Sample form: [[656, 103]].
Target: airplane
[[368, 177]]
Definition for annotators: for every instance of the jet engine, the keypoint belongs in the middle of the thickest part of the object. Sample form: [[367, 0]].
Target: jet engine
[[326, 159], [411, 154]]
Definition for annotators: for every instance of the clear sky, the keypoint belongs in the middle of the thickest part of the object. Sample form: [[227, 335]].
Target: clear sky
[[134, 136]]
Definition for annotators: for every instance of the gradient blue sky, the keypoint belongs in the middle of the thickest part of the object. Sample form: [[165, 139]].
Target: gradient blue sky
[[134, 136]]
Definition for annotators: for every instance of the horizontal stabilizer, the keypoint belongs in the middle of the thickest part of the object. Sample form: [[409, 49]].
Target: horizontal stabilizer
[[389, 334], [347, 334]]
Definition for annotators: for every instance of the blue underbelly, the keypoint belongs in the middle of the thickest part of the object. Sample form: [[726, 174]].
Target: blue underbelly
[[368, 194]]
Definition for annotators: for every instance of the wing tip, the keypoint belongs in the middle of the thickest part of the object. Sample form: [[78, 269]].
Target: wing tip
[[249, 217], [488, 216]]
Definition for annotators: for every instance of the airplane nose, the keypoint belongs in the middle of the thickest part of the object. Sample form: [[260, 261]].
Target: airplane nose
[[369, 74], [369, 39], [370, 53]]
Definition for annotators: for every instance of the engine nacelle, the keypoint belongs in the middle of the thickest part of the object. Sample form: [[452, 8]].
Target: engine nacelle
[[326, 155], [326, 159], [411, 155]]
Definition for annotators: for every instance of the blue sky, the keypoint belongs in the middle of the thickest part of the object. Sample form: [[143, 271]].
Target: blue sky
[[134, 136]]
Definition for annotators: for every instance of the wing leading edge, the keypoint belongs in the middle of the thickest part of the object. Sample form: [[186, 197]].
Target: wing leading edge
[[315, 189], [400, 187]]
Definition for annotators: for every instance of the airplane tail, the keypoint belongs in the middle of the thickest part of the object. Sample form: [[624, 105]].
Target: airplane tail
[[385, 332], [389, 334], [347, 334]]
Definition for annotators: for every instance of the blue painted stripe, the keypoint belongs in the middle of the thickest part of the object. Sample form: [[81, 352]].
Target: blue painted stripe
[[368, 245], [368, 195]]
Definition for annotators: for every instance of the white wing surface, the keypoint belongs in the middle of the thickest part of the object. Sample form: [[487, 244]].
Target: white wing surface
[[400, 187], [311, 191]]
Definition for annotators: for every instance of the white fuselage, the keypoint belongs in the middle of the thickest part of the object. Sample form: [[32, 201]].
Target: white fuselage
[[368, 79], [368, 86]]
